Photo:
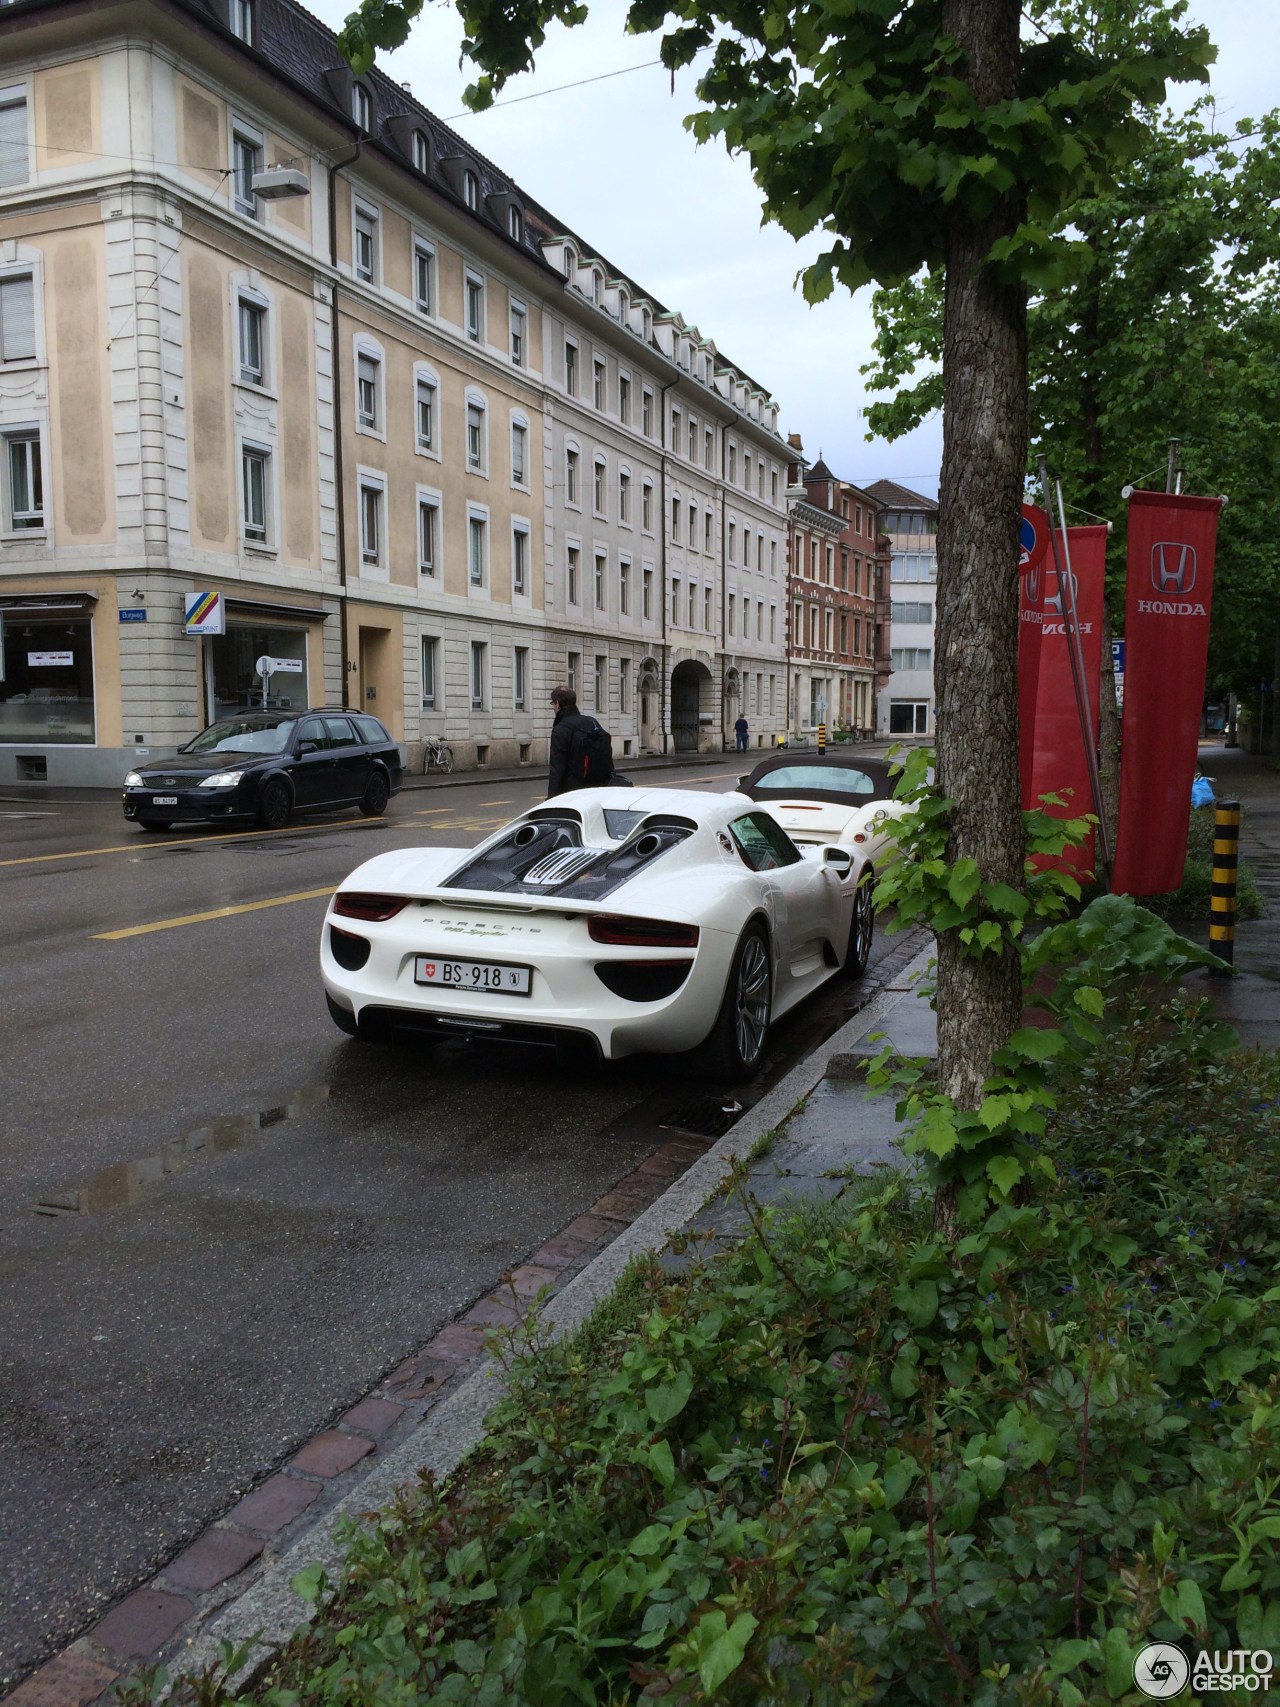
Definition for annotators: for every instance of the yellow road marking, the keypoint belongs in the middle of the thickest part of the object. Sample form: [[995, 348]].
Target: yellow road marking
[[191, 841], [216, 913]]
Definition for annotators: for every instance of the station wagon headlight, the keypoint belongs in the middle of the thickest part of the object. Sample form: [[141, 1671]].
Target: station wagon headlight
[[222, 779], [133, 780]]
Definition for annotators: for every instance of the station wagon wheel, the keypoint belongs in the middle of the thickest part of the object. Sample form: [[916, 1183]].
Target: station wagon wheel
[[376, 795], [274, 804], [862, 928], [735, 1046]]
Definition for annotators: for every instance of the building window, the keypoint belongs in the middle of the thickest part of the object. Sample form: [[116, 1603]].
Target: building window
[[706, 448], [519, 320], [624, 497], [471, 191], [366, 250], [25, 480], [693, 527], [693, 440], [693, 605], [368, 389], [519, 454], [430, 671], [520, 560], [908, 717], [599, 477], [646, 506], [428, 535], [732, 536], [675, 520], [911, 658], [910, 612], [773, 624], [477, 551], [624, 399], [424, 260], [602, 564], [773, 557], [246, 163], [598, 385], [601, 682], [675, 431], [733, 465], [477, 459], [255, 486], [706, 609], [675, 599], [573, 669], [240, 17], [479, 675], [646, 414], [624, 685], [425, 414], [828, 631], [17, 316], [475, 307], [371, 497], [571, 476], [515, 225], [421, 151], [571, 579], [361, 106], [746, 471], [647, 595], [624, 588], [520, 679], [732, 610], [252, 318], [773, 485], [571, 368], [746, 548]]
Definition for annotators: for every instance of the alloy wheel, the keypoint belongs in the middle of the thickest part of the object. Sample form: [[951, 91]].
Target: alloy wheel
[[751, 1000]]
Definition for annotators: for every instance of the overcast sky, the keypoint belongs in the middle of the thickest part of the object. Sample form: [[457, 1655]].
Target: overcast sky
[[612, 159]]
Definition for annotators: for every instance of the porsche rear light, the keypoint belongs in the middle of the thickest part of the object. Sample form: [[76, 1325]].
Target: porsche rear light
[[353, 905], [641, 933]]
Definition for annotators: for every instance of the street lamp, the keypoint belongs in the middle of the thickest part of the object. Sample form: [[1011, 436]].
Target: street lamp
[[279, 183]]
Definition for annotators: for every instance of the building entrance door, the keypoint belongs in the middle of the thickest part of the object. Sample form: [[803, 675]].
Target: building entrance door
[[685, 694]]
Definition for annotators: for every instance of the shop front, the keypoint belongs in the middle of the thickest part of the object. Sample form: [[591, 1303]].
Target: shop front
[[47, 671], [282, 633]]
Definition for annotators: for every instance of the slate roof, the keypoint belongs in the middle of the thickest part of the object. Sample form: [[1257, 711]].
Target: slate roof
[[895, 497]]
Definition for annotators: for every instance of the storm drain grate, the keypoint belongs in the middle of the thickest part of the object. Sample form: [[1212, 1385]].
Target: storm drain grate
[[708, 1117]]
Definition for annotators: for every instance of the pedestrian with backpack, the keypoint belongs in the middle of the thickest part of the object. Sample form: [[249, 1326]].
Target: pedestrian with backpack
[[581, 751]]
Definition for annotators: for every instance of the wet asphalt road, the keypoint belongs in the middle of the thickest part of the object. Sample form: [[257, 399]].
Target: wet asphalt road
[[272, 1215]]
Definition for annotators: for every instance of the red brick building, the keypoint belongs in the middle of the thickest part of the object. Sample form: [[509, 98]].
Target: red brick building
[[837, 601]]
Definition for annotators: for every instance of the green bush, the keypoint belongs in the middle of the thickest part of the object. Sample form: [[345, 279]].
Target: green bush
[[847, 1464]]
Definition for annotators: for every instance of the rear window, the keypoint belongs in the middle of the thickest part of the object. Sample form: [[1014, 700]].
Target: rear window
[[370, 729], [826, 778]]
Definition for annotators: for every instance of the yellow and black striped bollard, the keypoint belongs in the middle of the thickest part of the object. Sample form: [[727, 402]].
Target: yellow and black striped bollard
[[822, 740], [1222, 902]]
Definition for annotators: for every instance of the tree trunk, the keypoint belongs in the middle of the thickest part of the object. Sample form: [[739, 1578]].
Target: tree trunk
[[983, 465]]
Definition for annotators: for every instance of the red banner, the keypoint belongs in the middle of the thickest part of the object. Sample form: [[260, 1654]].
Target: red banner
[[1053, 751], [1033, 542], [1169, 596]]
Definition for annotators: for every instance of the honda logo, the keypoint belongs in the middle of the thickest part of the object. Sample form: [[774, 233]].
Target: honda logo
[[1053, 602], [1032, 587], [1173, 566]]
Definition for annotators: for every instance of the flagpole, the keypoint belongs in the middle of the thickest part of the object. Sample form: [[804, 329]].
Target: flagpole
[[1075, 656]]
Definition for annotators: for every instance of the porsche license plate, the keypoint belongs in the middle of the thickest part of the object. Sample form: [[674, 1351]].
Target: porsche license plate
[[164, 800], [487, 975]]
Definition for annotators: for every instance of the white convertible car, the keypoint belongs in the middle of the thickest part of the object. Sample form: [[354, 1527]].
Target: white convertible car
[[608, 921], [840, 800]]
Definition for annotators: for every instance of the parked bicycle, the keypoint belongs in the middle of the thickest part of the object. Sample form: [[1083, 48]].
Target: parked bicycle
[[436, 755]]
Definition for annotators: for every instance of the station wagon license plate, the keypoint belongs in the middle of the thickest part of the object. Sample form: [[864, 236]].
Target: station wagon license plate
[[164, 800], [487, 975]]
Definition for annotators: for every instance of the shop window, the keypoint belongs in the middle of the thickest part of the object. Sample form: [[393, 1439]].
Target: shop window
[[237, 686], [46, 693]]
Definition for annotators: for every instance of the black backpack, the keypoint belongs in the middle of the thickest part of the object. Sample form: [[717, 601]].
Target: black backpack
[[590, 756]]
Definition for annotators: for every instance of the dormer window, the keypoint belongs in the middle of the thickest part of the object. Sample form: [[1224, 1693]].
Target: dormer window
[[515, 225], [241, 20], [421, 154], [471, 191], [567, 259], [361, 106]]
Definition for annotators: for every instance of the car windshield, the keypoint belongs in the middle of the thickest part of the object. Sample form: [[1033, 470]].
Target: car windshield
[[825, 778], [243, 735]]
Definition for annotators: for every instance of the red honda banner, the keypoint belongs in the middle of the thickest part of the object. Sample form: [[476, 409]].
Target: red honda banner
[[1169, 596], [1033, 542], [1053, 758]]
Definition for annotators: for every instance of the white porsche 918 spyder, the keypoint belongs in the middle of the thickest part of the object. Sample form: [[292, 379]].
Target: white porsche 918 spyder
[[835, 800], [606, 921]]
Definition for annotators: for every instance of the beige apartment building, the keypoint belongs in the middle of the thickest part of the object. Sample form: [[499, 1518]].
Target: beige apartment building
[[274, 333]]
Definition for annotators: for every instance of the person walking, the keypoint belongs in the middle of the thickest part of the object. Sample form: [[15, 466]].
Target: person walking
[[741, 729], [581, 754]]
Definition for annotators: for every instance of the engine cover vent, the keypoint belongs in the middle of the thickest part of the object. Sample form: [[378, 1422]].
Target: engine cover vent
[[558, 867]]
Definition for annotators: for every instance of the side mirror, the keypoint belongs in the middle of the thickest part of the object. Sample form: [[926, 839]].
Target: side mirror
[[305, 747], [839, 860]]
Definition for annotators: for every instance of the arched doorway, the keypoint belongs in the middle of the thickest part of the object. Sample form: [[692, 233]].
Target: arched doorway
[[690, 685], [648, 686]]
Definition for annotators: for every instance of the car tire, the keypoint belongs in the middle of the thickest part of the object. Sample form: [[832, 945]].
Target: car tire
[[735, 1046], [275, 804], [155, 823], [377, 792], [862, 928]]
